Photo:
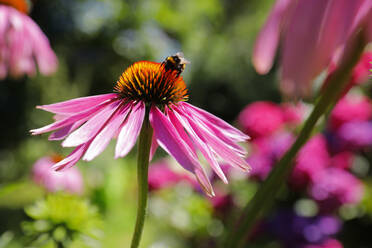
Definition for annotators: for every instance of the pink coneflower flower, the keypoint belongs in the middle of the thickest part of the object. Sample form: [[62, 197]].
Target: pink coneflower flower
[[43, 174], [89, 123], [313, 34], [22, 43]]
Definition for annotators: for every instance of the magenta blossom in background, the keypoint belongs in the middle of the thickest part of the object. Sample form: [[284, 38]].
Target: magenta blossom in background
[[352, 107], [313, 34], [261, 118], [312, 158], [23, 45], [333, 187], [42, 173], [330, 243], [89, 123], [161, 176], [342, 160]]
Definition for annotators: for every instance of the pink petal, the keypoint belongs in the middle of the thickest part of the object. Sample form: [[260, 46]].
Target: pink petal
[[78, 104], [91, 127], [299, 43], [268, 38], [71, 159], [81, 116], [169, 139], [45, 57], [229, 130], [218, 146], [176, 120], [154, 146], [63, 132], [130, 130], [104, 136]]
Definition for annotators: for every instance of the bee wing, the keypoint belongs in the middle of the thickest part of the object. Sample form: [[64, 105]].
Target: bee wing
[[182, 58]]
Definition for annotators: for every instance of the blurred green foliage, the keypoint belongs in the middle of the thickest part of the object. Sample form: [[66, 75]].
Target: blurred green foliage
[[62, 220]]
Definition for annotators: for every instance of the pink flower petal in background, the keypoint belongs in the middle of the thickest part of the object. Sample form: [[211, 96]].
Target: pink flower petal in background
[[313, 34], [70, 180], [23, 45]]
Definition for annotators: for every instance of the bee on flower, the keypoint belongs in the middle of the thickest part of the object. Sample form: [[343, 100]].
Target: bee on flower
[[153, 93]]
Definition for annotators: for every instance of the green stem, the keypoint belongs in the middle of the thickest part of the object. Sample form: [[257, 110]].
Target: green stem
[[265, 196], [144, 145]]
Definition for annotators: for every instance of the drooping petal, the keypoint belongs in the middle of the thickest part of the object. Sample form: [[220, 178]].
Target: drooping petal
[[227, 137], [91, 127], [218, 146], [268, 38], [130, 130], [81, 116], [300, 41], [229, 130], [71, 159], [179, 122], [170, 140], [103, 138], [78, 104], [44, 55]]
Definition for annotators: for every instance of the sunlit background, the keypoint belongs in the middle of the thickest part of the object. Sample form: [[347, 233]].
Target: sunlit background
[[95, 40]]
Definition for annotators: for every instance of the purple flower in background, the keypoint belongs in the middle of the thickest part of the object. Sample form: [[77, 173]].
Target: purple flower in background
[[23, 45], [69, 180], [261, 118], [296, 231], [312, 158], [352, 107], [355, 134], [313, 33], [333, 187], [266, 151]]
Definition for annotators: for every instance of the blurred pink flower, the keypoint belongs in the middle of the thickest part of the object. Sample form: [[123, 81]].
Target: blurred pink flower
[[43, 174], [355, 134], [22, 45], [312, 158], [313, 33], [333, 187], [351, 107], [179, 128], [161, 176], [342, 160], [294, 114], [330, 243], [261, 118]]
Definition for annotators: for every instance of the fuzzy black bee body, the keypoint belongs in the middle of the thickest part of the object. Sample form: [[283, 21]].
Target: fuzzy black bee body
[[176, 62]]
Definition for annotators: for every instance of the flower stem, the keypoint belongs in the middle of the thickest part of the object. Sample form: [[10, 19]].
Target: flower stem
[[143, 156], [265, 195]]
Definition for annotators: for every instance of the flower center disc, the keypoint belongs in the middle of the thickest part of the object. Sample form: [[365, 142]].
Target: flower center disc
[[20, 5], [152, 82]]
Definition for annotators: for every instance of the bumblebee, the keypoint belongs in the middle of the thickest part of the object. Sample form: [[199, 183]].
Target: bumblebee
[[176, 62]]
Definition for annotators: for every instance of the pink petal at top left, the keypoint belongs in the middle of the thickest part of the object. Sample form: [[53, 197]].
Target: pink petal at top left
[[78, 104]]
